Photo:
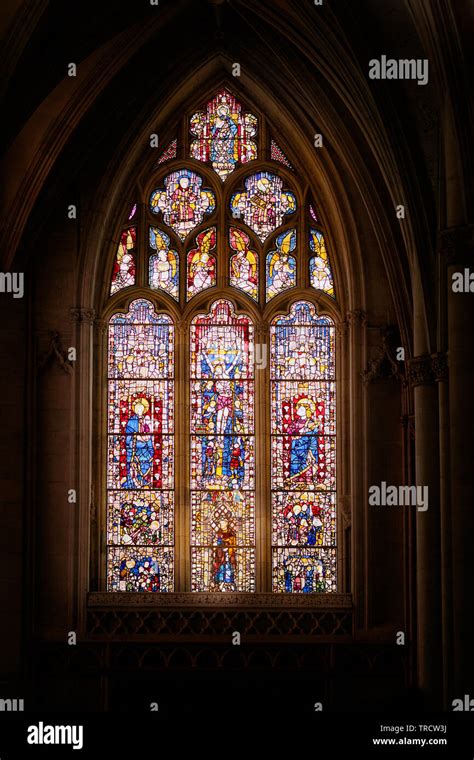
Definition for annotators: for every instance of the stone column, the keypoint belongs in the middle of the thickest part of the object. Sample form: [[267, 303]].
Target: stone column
[[82, 423], [428, 552], [440, 370], [457, 255], [355, 417]]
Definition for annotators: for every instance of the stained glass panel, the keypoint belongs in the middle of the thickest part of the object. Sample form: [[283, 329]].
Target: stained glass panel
[[224, 134], [264, 204], [304, 518], [281, 266], [244, 264], [133, 211], [222, 451], [303, 452], [182, 201], [163, 266], [319, 266], [140, 569], [276, 154], [123, 273], [202, 265], [140, 503], [304, 571]]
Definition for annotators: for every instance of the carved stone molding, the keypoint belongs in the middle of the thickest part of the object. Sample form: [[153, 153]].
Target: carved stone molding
[[101, 326], [420, 370], [439, 364], [428, 369], [188, 624], [191, 600], [384, 366], [55, 354], [79, 314], [342, 329], [328, 657]]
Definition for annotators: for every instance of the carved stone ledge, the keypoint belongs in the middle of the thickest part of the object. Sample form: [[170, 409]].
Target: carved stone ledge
[[123, 600]]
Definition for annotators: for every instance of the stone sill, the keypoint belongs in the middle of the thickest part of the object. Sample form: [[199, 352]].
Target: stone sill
[[180, 601]]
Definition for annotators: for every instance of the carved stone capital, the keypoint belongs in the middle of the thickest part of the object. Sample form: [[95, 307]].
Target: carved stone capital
[[342, 329], [420, 370], [439, 364], [428, 369], [80, 314], [356, 317], [101, 326]]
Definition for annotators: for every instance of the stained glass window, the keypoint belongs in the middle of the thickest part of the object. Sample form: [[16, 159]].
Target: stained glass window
[[163, 265], [243, 264], [276, 154], [264, 204], [303, 476], [182, 201], [222, 451], [201, 263], [281, 266], [140, 504], [123, 273], [247, 241], [223, 134], [169, 153], [319, 267], [313, 214]]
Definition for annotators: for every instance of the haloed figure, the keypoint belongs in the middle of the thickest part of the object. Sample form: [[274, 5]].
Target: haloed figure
[[304, 444], [139, 446], [225, 563]]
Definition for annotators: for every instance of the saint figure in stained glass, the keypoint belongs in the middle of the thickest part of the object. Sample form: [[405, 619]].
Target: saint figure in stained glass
[[140, 450], [123, 274], [264, 204], [319, 266], [164, 264], [182, 201], [303, 451], [244, 264], [222, 451], [281, 266], [224, 134], [202, 264]]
